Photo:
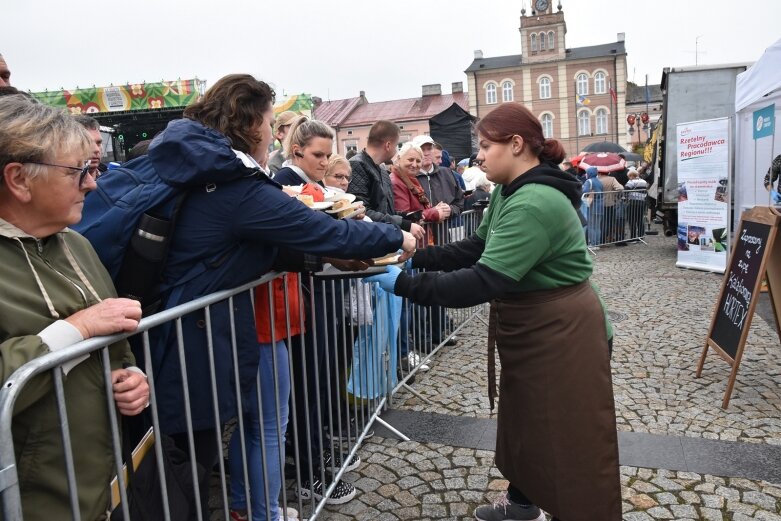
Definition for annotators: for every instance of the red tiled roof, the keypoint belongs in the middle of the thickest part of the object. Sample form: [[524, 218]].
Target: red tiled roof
[[334, 112], [404, 109]]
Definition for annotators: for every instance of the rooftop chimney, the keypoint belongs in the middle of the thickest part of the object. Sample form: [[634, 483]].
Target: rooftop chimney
[[621, 37], [432, 90], [457, 87], [478, 54], [363, 94]]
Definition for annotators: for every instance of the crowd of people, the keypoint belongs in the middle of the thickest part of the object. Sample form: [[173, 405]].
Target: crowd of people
[[248, 212], [612, 202]]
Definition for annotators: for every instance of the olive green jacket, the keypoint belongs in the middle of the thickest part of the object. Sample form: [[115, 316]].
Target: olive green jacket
[[41, 282]]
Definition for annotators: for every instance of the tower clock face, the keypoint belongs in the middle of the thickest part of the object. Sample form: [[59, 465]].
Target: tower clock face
[[541, 5]]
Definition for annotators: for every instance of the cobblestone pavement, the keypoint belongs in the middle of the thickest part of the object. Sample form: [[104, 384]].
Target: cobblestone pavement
[[412, 481]]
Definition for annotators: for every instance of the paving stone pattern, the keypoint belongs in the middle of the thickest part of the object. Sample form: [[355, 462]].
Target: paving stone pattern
[[413, 481]]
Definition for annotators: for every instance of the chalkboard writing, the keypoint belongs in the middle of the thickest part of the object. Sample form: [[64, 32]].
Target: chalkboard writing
[[741, 283]]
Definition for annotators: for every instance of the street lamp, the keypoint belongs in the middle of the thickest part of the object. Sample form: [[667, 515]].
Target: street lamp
[[637, 119]]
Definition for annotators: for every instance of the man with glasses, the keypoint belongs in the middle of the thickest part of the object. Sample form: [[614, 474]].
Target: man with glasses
[[93, 127]]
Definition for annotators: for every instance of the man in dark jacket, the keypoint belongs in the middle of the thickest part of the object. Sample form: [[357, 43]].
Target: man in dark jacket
[[438, 183], [372, 185]]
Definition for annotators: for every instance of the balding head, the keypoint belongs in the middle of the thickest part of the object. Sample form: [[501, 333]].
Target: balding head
[[5, 73]]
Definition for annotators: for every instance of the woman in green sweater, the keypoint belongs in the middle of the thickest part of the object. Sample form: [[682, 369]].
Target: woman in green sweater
[[556, 438]]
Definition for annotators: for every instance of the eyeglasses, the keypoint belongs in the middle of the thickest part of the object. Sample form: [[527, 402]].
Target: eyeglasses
[[83, 171], [340, 177]]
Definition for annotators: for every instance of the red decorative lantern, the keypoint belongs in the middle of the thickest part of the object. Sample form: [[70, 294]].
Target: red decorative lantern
[[644, 117], [631, 119]]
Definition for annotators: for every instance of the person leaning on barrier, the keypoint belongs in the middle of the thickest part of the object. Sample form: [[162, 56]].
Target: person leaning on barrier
[[371, 184], [556, 435], [55, 294], [231, 228]]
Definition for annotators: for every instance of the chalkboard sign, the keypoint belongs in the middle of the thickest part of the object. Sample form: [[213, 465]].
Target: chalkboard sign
[[750, 259], [741, 286]]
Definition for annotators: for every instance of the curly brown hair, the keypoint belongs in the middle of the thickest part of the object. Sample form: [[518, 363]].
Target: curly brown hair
[[234, 106]]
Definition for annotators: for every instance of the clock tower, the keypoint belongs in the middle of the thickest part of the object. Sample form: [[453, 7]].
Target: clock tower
[[543, 32]]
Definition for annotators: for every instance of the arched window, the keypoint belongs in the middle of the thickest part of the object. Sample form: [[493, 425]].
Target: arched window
[[534, 42], [600, 85], [545, 88], [550, 40], [547, 125], [601, 121], [507, 91], [582, 84], [490, 94], [584, 123], [542, 41]]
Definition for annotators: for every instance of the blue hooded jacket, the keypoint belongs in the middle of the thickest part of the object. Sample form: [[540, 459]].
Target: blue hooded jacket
[[593, 184], [231, 226]]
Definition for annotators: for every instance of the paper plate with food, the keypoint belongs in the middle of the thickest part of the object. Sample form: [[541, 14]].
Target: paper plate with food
[[388, 260], [334, 196], [343, 209], [311, 203]]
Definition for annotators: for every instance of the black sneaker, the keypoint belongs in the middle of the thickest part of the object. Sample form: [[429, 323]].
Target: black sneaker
[[353, 464], [343, 492], [507, 510]]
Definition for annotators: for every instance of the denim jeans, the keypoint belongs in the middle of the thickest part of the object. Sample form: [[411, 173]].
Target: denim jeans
[[274, 437]]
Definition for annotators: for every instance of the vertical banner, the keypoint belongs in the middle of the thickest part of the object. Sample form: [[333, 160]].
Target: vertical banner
[[703, 194]]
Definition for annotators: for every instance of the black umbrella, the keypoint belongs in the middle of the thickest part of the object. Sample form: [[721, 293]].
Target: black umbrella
[[605, 146]]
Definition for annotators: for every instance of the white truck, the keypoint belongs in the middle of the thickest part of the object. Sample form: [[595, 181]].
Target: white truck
[[688, 94]]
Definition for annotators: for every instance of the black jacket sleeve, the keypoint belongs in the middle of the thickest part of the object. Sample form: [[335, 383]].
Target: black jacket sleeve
[[456, 289], [296, 261], [449, 257]]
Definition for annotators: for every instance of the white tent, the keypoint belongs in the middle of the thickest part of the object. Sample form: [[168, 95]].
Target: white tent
[[756, 88]]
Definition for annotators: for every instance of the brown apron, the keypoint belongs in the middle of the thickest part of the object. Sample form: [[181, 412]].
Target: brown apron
[[556, 439]]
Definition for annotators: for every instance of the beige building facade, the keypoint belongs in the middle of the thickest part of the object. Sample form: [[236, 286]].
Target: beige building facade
[[578, 94]]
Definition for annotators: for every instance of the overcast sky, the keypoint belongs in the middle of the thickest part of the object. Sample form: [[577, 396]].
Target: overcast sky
[[336, 48]]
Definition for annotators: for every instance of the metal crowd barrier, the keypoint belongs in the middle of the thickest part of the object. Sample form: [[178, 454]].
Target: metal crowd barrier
[[614, 217], [344, 368]]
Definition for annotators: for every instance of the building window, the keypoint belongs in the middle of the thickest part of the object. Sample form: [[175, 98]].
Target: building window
[[350, 146], [349, 132], [547, 125], [490, 94], [545, 88], [582, 84], [601, 121], [534, 42], [600, 85], [542, 41], [550, 40], [507, 91], [584, 123], [403, 138]]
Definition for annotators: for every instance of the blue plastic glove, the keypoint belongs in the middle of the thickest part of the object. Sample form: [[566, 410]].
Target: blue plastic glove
[[776, 197], [387, 280]]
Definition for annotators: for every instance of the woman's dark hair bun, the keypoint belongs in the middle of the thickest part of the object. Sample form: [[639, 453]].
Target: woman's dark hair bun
[[552, 151]]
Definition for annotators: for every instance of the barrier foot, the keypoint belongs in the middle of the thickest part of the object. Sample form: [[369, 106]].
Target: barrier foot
[[406, 386], [391, 428]]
